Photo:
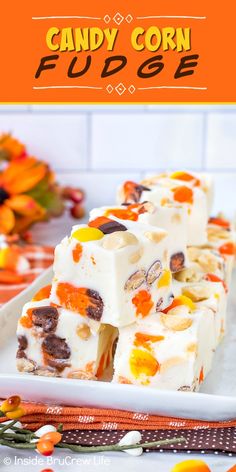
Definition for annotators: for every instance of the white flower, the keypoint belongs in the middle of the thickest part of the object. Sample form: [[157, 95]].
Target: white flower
[[132, 437], [47, 428]]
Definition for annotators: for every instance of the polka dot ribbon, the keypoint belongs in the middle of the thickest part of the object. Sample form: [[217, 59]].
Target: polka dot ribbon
[[203, 441]]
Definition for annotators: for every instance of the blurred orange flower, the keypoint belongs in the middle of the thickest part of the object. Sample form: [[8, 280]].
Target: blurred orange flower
[[18, 178], [28, 190], [11, 148]]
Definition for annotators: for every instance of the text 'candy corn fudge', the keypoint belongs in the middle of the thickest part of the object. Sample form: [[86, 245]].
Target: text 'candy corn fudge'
[[53, 341], [171, 350], [113, 274], [172, 218], [163, 191]]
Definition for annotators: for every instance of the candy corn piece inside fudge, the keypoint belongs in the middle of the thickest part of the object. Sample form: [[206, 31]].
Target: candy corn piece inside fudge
[[53, 341]]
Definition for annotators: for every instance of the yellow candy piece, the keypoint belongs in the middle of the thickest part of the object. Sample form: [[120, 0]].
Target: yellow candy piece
[[142, 362], [3, 254], [191, 466], [176, 174], [84, 235], [187, 302], [165, 279]]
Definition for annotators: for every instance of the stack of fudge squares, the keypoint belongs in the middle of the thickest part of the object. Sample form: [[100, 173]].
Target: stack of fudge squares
[[139, 294]]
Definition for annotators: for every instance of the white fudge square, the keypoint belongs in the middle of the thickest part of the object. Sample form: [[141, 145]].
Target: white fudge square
[[150, 353], [165, 191], [194, 179], [118, 278], [58, 342], [172, 218]]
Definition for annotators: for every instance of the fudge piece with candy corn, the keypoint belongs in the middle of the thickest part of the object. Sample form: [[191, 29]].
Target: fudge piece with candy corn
[[113, 274], [57, 342], [171, 350], [172, 218], [210, 294], [193, 179], [164, 191]]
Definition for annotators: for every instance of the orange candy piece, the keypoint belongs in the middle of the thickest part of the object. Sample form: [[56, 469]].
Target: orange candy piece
[[178, 301], [215, 278], [143, 303], [53, 436], [26, 320], [82, 300], [126, 214], [99, 221], [45, 448], [72, 298], [192, 465], [219, 222], [142, 339], [43, 293], [142, 362], [77, 252], [201, 375], [183, 194], [185, 176], [227, 249]]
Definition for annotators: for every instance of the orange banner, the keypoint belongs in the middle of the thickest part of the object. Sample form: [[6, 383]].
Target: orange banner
[[122, 51]]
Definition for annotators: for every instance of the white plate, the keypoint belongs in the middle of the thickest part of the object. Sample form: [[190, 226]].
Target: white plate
[[217, 400]]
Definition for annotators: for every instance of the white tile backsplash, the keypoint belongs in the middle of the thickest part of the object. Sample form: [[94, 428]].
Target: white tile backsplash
[[100, 187], [99, 146], [62, 140], [221, 141], [139, 141], [224, 198]]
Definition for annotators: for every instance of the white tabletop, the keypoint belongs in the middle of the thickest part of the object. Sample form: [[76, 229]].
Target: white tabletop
[[66, 460]]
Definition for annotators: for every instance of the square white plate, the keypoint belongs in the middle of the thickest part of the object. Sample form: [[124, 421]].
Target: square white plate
[[217, 400]]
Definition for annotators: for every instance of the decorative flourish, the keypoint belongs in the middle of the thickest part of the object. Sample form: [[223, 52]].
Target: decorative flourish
[[28, 190], [46, 438]]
